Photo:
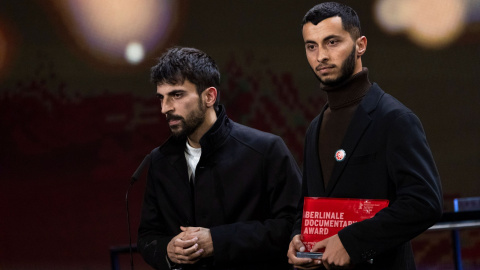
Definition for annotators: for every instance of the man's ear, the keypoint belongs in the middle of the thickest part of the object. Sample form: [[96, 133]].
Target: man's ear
[[210, 96], [361, 45]]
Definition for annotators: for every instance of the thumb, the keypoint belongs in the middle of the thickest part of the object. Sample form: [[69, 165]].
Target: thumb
[[190, 229]]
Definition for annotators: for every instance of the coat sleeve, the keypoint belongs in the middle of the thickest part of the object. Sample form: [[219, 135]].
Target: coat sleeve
[[297, 227], [417, 202], [264, 240], [153, 237]]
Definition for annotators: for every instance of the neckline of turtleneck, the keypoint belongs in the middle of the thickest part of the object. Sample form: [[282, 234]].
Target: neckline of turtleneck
[[349, 93]]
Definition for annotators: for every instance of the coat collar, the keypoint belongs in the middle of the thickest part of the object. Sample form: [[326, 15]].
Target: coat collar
[[359, 123], [174, 147], [217, 134]]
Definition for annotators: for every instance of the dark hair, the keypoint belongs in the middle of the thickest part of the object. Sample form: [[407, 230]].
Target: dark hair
[[350, 20], [178, 64]]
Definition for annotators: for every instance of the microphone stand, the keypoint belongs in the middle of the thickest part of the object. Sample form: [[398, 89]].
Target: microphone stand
[[133, 179]]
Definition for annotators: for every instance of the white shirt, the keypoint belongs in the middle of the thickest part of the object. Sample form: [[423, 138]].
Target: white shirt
[[193, 156]]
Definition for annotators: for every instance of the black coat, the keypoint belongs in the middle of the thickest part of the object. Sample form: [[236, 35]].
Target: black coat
[[387, 157], [247, 185]]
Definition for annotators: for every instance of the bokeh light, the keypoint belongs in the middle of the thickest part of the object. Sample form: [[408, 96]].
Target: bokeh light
[[428, 23], [7, 46], [3, 49], [134, 52], [119, 32]]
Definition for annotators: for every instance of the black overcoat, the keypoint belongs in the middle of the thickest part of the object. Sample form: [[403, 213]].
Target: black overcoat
[[387, 157], [247, 186]]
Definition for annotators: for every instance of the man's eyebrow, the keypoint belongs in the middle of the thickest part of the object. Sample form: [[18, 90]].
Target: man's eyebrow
[[175, 91], [331, 36], [324, 39], [171, 93]]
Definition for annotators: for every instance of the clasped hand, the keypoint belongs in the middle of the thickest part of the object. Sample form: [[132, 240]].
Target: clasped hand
[[191, 245]]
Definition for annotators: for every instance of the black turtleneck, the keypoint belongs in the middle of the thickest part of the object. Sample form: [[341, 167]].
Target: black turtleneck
[[342, 102]]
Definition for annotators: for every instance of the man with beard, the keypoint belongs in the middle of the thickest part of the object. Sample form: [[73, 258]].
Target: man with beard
[[363, 144], [219, 195]]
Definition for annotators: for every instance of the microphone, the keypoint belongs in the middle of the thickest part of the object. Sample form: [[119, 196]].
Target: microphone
[[140, 169], [133, 179]]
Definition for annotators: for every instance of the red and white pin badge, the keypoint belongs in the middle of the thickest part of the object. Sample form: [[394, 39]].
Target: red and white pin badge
[[340, 155]]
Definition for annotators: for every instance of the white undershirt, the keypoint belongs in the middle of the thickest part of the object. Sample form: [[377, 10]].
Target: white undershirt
[[193, 156]]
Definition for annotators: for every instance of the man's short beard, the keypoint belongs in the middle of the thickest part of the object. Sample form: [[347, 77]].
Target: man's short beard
[[192, 121], [347, 69]]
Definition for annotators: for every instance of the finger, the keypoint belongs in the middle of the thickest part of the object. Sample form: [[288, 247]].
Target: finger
[[302, 263], [183, 244], [190, 250], [295, 246], [196, 255], [320, 245], [305, 262], [291, 253], [189, 229], [293, 259], [292, 256], [184, 229], [192, 232], [191, 258], [189, 236], [180, 260], [297, 243], [179, 236]]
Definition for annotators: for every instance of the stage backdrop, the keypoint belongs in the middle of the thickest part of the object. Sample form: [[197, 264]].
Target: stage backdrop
[[78, 114]]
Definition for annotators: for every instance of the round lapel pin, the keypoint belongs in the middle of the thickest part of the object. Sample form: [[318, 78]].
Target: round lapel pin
[[340, 155]]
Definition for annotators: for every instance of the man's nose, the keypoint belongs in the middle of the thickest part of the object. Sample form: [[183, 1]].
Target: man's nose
[[166, 106], [322, 56]]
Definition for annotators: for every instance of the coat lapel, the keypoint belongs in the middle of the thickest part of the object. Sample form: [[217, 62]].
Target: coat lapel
[[316, 188], [360, 122], [179, 163], [180, 182]]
